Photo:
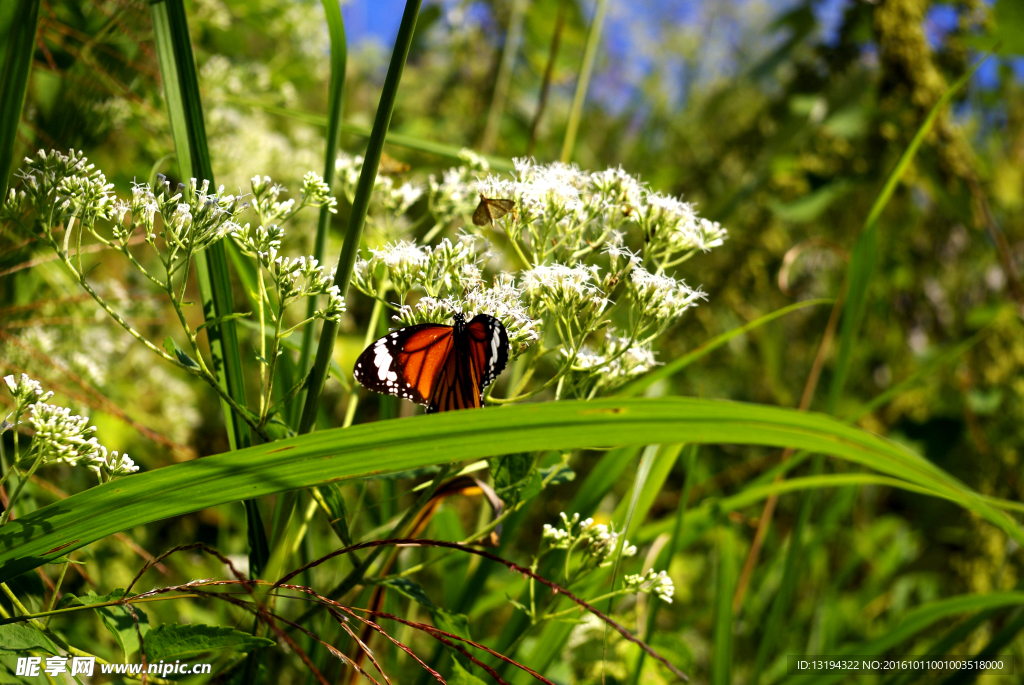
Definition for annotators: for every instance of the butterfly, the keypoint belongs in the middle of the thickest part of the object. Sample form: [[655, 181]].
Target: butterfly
[[491, 209], [442, 367]]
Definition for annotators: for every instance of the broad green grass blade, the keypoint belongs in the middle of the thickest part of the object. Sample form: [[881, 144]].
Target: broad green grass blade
[[402, 444], [676, 365], [336, 91], [21, 45], [721, 665], [916, 621], [185, 112], [399, 139], [360, 205]]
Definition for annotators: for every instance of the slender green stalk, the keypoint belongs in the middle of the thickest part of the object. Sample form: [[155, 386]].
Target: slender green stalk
[[667, 553], [336, 29], [360, 205], [721, 667], [177, 67], [583, 83], [14, 81], [513, 39]]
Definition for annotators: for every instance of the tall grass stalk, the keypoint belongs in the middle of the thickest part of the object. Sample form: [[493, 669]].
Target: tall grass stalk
[[360, 206], [336, 91], [185, 112], [583, 83], [21, 46]]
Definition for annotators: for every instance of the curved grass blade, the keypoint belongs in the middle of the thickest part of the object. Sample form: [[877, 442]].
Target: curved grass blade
[[21, 45], [360, 205], [402, 444]]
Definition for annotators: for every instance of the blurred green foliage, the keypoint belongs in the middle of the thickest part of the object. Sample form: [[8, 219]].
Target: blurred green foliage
[[787, 147]]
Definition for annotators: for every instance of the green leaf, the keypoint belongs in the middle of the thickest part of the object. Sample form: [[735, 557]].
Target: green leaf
[[556, 474], [116, 619], [19, 637], [515, 478], [220, 319], [721, 668], [332, 498], [178, 353], [461, 676], [186, 641], [21, 45], [399, 444]]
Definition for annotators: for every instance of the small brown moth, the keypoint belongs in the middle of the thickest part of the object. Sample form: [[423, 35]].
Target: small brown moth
[[491, 209]]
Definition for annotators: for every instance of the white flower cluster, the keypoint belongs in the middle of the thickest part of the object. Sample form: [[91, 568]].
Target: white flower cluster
[[658, 300], [447, 267], [55, 186], [292, 278], [598, 541], [25, 392], [652, 583], [271, 209], [60, 436], [500, 300]]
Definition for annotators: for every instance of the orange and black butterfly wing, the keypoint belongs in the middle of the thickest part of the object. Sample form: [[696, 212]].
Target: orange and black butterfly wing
[[407, 363], [457, 385], [487, 345]]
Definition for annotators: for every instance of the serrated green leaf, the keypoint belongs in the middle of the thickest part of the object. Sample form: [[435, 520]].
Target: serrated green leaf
[[185, 641]]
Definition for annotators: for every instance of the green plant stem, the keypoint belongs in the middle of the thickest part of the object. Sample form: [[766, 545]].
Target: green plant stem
[[360, 206], [14, 81], [583, 83], [335, 99]]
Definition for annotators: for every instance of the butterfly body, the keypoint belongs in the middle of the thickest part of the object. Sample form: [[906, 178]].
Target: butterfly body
[[442, 367]]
